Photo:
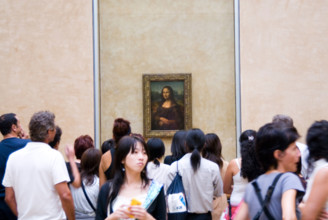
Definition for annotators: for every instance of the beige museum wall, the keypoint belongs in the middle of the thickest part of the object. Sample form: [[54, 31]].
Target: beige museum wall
[[284, 58], [148, 36], [46, 62]]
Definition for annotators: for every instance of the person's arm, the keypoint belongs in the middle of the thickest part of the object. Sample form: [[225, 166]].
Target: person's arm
[[11, 200], [217, 182], [314, 206], [101, 210], [242, 213], [70, 153], [66, 199], [175, 116], [105, 162], [288, 202], [174, 121], [228, 181]]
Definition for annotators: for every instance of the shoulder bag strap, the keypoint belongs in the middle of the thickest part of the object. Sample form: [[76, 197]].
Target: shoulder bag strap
[[184, 192], [267, 198], [87, 197]]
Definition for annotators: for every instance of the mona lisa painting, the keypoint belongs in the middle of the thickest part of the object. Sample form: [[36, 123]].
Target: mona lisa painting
[[167, 104]]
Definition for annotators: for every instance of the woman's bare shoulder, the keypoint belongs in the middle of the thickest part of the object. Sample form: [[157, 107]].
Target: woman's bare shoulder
[[106, 159]]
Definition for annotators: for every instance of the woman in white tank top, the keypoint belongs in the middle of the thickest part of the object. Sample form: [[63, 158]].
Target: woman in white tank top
[[239, 185]]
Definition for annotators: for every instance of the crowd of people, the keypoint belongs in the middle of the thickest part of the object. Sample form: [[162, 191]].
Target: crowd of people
[[276, 177]]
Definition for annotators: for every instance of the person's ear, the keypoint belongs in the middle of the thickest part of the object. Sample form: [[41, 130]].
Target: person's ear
[[14, 128], [278, 154]]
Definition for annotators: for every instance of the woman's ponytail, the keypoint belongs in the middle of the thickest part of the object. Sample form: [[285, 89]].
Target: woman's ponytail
[[195, 159], [156, 162], [195, 141]]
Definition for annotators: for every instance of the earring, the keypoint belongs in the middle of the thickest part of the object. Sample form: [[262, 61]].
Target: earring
[[123, 169]]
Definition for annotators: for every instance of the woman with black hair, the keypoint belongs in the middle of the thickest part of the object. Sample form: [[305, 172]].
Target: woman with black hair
[[178, 148], [241, 170], [201, 177], [107, 145], [155, 169], [168, 115], [276, 193], [316, 196], [130, 183]]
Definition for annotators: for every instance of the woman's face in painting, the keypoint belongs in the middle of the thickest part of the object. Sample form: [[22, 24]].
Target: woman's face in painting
[[166, 93]]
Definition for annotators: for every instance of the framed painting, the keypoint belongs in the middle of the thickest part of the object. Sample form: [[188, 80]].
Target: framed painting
[[166, 104]]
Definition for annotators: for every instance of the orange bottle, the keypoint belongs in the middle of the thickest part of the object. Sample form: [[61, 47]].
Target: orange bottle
[[134, 202]]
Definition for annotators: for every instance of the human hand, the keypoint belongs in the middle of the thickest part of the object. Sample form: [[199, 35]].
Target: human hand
[[121, 213], [140, 213], [23, 135], [163, 120], [323, 215], [69, 151]]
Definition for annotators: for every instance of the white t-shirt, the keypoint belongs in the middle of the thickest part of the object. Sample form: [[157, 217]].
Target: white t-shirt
[[200, 186], [33, 173], [317, 166], [122, 200], [158, 173]]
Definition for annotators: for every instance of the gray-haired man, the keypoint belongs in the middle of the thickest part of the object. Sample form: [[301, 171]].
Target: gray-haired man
[[36, 176]]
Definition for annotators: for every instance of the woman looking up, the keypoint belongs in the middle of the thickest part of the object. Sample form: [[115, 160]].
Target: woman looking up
[[121, 128], [131, 182]]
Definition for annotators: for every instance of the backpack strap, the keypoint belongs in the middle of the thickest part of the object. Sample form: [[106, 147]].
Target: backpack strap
[[267, 199], [263, 208]]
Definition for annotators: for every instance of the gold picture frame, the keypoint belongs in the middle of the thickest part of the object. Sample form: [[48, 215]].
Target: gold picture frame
[[166, 104]]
